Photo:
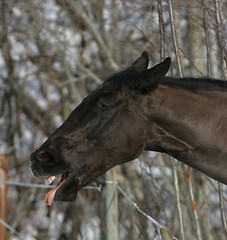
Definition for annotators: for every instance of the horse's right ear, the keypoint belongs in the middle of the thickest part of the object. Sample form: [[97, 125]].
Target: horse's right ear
[[150, 79], [141, 64]]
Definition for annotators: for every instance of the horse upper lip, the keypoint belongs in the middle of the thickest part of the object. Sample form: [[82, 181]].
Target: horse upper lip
[[34, 171]]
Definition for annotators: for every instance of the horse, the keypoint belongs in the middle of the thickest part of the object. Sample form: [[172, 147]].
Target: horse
[[134, 110]]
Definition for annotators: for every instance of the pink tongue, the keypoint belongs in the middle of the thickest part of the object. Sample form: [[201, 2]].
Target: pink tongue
[[49, 198]]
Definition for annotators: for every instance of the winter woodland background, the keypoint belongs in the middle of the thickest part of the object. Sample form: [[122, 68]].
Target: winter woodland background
[[52, 54]]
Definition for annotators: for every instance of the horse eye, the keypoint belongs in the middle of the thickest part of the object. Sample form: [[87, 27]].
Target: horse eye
[[105, 102]]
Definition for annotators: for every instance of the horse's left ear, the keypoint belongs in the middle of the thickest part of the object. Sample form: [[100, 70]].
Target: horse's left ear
[[150, 79], [141, 64]]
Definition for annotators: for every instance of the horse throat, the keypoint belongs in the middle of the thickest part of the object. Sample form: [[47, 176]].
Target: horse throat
[[162, 141]]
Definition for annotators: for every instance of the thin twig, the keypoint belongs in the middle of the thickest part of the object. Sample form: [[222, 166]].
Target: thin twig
[[223, 217], [162, 30], [177, 52], [10, 228], [194, 209], [207, 38], [90, 73], [219, 36], [176, 185], [79, 8], [224, 74]]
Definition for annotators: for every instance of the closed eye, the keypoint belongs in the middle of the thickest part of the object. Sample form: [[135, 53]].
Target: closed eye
[[106, 102]]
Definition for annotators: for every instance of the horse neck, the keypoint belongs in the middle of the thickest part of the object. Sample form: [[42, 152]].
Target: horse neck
[[191, 127], [179, 116]]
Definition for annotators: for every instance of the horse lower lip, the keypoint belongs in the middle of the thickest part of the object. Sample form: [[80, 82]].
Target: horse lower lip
[[49, 198]]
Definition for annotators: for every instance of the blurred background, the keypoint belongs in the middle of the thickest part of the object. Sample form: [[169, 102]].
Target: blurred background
[[55, 52]]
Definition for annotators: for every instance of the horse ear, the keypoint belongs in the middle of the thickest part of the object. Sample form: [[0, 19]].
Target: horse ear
[[150, 79], [141, 63]]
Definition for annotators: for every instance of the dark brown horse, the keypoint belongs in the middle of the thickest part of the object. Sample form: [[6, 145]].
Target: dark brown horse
[[135, 110]]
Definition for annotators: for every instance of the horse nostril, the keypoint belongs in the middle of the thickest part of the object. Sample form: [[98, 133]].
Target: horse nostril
[[39, 156], [44, 156]]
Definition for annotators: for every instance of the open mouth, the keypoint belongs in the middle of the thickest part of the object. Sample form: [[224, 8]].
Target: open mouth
[[49, 198]]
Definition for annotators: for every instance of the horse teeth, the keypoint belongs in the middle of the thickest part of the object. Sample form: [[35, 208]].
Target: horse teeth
[[49, 180]]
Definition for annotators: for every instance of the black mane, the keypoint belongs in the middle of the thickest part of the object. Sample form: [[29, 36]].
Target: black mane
[[194, 84]]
